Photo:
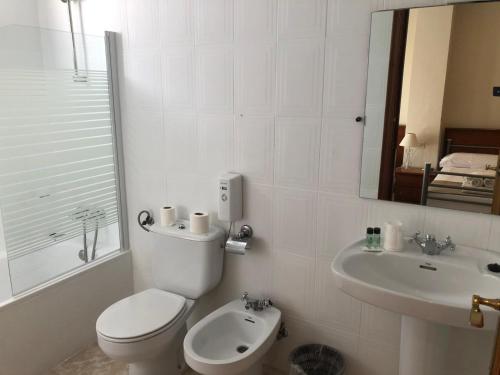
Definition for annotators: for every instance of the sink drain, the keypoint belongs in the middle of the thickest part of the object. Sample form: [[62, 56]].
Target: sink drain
[[242, 349]]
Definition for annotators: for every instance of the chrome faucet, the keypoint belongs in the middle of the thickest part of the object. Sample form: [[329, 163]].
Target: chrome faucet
[[255, 304], [431, 246]]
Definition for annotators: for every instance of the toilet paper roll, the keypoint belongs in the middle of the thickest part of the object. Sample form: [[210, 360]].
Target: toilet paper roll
[[393, 236], [238, 249], [198, 222], [167, 216]]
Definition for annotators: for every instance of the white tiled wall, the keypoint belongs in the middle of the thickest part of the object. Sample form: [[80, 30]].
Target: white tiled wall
[[269, 88]]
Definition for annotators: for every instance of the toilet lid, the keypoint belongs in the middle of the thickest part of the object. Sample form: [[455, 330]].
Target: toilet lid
[[140, 314]]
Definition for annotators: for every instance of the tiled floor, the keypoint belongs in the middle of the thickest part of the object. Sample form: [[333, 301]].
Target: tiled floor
[[92, 361]]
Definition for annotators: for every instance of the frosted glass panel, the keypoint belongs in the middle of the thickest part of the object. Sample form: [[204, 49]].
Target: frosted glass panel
[[58, 183]]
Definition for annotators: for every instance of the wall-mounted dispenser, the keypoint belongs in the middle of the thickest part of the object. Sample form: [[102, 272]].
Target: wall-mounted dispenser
[[230, 197]]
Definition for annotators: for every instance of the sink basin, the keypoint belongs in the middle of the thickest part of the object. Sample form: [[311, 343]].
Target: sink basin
[[434, 288]]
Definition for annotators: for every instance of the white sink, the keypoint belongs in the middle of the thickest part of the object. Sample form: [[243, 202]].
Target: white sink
[[434, 288]]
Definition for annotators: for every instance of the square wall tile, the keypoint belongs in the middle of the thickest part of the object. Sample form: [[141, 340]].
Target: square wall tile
[[299, 333], [181, 143], [297, 152], [333, 307], [176, 19], [465, 228], [255, 20], [178, 79], [350, 16], [215, 146], [293, 284], [214, 21], [346, 66], [255, 84], [294, 221], [412, 216], [214, 69], [143, 143], [142, 80], [186, 191], [303, 333], [237, 278], [146, 190], [341, 148], [254, 148], [345, 342], [380, 325], [258, 213], [143, 27], [300, 77], [375, 358], [301, 18], [341, 222]]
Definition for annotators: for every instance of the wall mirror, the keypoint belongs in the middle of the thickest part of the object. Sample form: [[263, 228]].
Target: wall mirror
[[432, 125]]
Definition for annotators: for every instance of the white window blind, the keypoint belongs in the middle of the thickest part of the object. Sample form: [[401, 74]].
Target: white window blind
[[57, 169]]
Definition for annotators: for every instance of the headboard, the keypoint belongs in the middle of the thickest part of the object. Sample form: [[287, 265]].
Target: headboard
[[476, 141]]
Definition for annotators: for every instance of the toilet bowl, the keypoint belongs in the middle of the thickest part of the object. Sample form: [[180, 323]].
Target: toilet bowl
[[231, 340], [146, 330]]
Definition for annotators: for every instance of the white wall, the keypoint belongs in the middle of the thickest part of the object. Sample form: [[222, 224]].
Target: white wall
[[270, 89], [91, 17], [19, 36], [19, 13]]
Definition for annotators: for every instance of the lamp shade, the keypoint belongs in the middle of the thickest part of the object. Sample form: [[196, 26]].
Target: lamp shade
[[410, 140]]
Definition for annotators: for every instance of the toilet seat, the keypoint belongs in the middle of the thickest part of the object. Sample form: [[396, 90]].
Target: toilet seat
[[140, 316]]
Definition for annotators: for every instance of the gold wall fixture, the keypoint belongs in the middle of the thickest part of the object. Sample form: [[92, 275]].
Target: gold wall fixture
[[477, 320], [476, 315]]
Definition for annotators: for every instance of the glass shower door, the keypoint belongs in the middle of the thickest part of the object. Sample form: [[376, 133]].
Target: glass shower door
[[59, 187]]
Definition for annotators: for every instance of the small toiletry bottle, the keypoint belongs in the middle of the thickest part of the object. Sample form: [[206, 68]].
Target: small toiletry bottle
[[376, 238], [369, 237]]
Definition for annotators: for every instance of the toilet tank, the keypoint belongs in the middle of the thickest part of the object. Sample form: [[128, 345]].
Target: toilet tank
[[186, 263]]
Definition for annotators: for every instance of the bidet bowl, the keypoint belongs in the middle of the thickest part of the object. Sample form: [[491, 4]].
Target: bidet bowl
[[231, 340]]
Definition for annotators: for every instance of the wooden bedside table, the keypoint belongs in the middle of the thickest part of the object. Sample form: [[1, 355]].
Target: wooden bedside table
[[408, 184]]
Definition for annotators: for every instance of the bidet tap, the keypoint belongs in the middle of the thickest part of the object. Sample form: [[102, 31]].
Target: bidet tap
[[431, 246], [255, 304]]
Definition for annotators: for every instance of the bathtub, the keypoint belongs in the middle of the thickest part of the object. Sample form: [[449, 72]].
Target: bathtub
[[23, 273]]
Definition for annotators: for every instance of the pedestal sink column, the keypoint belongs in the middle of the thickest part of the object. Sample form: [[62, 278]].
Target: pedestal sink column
[[435, 349]]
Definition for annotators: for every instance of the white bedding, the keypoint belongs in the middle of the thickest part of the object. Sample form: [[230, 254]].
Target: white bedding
[[444, 178], [468, 160], [446, 194]]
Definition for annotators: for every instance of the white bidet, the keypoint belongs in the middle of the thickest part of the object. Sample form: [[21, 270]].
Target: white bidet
[[231, 340]]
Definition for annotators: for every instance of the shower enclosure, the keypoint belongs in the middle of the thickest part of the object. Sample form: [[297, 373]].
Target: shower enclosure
[[60, 197]]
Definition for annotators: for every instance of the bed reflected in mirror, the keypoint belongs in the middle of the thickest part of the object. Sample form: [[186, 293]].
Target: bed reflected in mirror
[[432, 125]]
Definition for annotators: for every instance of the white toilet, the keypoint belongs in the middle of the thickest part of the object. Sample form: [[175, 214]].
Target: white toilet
[[146, 330]]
